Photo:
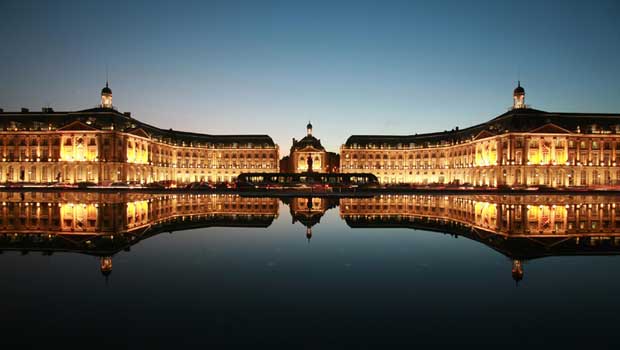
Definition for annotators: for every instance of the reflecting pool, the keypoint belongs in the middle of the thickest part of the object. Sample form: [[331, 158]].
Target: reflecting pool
[[132, 269]]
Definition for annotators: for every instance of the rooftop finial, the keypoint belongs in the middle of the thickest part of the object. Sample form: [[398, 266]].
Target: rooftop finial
[[106, 96], [518, 96]]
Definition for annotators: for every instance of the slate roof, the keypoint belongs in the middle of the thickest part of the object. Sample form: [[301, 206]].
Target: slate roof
[[103, 118], [307, 141], [516, 120]]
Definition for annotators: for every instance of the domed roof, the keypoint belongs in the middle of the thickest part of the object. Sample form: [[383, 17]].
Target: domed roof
[[106, 89], [309, 126], [519, 89]]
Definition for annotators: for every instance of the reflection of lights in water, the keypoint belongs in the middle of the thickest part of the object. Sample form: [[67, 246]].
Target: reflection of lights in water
[[490, 213], [105, 265]]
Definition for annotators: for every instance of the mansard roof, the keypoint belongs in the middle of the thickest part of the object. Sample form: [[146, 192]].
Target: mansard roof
[[517, 120], [307, 141], [110, 119]]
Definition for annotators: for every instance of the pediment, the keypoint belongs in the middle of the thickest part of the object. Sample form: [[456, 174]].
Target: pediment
[[139, 132], [309, 149], [484, 134], [77, 126], [550, 128]]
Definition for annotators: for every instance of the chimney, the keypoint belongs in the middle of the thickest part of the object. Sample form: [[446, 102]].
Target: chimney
[[127, 114], [24, 110], [1, 110], [47, 109]]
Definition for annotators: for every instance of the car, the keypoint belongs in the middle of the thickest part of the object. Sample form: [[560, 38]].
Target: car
[[155, 185], [167, 183], [199, 186], [222, 186], [86, 184], [63, 185], [320, 187]]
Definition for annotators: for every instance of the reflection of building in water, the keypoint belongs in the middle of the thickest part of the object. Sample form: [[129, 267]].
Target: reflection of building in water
[[106, 265], [517, 270], [309, 210], [103, 224], [520, 227]]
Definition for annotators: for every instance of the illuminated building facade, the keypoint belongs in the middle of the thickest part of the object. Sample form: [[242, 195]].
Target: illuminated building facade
[[523, 146], [308, 154], [102, 145]]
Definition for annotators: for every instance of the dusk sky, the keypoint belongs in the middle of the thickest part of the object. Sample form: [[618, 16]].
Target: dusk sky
[[359, 67]]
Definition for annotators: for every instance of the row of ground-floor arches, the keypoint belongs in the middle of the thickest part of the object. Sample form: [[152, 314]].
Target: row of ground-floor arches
[[73, 172], [60, 172], [496, 176]]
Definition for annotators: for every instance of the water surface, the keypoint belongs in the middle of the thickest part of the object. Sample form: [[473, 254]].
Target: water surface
[[137, 269]]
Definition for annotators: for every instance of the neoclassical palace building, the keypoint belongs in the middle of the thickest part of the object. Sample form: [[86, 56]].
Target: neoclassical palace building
[[523, 146], [308, 155], [102, 145]]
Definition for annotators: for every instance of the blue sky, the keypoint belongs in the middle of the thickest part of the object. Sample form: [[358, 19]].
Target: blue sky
[[358, 67]]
